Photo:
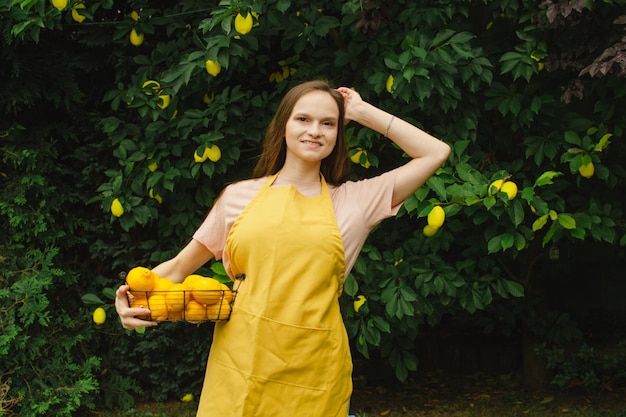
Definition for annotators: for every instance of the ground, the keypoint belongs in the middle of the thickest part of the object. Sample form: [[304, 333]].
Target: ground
[[436, 395]]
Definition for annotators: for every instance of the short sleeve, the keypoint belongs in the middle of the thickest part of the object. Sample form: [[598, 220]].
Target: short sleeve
[[373, 198], [213, 231], [359, 207]]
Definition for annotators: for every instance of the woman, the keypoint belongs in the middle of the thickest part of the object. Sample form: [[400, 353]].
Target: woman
[[295, 231]]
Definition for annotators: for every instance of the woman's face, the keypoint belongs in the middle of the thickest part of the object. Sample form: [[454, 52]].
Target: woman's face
[[311, 130]]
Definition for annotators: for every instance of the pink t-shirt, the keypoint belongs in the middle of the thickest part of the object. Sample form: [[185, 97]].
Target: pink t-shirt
[[359, 207]]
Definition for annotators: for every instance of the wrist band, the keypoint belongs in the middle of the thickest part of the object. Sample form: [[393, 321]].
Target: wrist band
[[388, 126]]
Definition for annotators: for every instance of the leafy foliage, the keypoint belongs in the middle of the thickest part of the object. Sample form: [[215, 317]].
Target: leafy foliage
[[88, 118]]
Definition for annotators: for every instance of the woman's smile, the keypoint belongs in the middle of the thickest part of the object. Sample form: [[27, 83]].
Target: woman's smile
[[311, 130]]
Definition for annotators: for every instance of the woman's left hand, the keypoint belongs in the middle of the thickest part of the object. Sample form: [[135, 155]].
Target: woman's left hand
[[352, 102]]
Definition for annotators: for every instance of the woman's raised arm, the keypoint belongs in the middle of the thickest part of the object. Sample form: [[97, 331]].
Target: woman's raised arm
[[427, 152]]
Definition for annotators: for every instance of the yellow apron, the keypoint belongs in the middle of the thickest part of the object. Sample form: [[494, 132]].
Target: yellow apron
[[284, 351]]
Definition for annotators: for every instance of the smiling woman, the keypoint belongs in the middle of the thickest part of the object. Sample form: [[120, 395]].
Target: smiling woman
[[310, 135], [294, 231]]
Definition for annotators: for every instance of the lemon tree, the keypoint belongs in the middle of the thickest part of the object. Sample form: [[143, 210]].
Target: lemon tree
[[121, 123]]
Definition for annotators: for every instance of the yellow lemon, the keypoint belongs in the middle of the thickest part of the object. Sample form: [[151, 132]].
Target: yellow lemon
[[190, 279], [436, 217], [153, 166], [360, 300], [200, 158], [195, 312], [136, 38], [218, 311], [187, 398], [157, 306], [389, 83], [227, 293], [429, 231], [175, 315], [587, 171], [510, 188], [208, 99], [213, 153], [494, 187], [77, 16], [177, 296], [134, 15], [99, 316], [162, 284], [59, 4], [139, 299], [141, 279], [243, 25], [164, 101], [154, 84], [213, 67], [116, 208], [206, 290], [356, 158], [157, 197]]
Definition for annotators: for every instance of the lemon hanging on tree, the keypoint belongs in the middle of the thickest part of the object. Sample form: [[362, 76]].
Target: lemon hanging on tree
[[99, 316], [510, 188], [243, 25], [360, 300], [214, 153], [135, 37], [495, 187], [430, 231], [59, 4], [164, 101], [436, 217], [212, 67], [76, 15], [587, 170], [116, 208], [389, 84]]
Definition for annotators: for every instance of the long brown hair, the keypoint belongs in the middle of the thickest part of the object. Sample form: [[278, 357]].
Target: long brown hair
[[335, 167]]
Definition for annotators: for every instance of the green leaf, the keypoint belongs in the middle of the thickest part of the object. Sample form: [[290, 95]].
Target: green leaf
[[218, 268], [283, 5], [489, 202], [91, 299], [567, 221], [438, 186], [507, 241], [478, 297], [540, 222], [495, 244], [382, 324], [351, 286], [109, 293], [603, 143], [514, 288], [546, 178], [573, 138], [516, 212]]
